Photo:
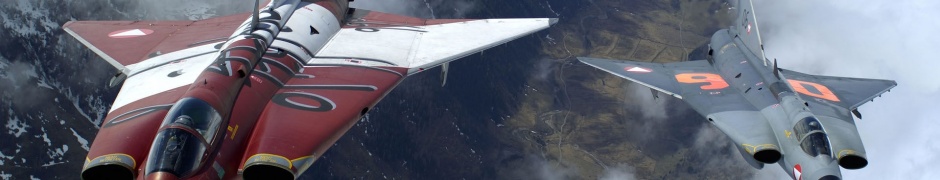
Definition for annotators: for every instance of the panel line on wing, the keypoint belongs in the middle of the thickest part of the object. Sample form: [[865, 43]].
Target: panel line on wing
[[334, 87], [168, 62], [636, 81], [357, 66], [356, 58]]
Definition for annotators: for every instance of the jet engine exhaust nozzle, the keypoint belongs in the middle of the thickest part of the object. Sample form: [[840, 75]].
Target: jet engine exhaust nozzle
[[853, 162], [162, 176], [768, 156]]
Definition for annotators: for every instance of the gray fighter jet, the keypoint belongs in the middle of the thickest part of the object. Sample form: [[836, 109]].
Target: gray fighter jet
[[800, 121]]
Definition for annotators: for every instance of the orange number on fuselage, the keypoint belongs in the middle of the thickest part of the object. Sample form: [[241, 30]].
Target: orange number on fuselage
[[714, 81], [824, 92]]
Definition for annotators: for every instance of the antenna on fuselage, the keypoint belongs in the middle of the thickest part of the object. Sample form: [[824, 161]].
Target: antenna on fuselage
[[776, 69], [254, 15]]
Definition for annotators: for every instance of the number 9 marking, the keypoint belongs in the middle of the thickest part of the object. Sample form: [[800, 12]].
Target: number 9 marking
[[714, 81]]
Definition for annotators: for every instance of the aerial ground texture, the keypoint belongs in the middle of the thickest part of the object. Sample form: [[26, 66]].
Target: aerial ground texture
[[523, 110]]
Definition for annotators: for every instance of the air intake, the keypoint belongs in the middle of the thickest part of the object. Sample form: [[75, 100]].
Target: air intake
[[266, 171], [768, 156], [108, 171]]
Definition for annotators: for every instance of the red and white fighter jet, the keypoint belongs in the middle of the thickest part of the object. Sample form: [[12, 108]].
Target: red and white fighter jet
[[261, 94]]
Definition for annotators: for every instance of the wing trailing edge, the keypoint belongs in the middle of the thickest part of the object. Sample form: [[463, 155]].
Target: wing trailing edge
[[382, 39], [123, 43], [745, 29], [846, 92]]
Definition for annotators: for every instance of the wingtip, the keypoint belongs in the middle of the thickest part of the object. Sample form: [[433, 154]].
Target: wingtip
[[582, 59], [552, 21], [67, 24], [591, 61]]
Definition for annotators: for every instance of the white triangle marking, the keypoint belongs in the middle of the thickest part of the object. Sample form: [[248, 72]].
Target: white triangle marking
[[638, 69], [797, 173], [133, 32]]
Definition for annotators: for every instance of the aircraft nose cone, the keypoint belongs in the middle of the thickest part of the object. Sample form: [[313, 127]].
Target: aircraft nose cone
[[162, 176]]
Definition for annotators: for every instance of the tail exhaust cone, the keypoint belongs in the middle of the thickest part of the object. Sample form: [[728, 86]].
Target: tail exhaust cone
[[162, 176], [266, 171], [768, 156], [107, 171], [853, 162]]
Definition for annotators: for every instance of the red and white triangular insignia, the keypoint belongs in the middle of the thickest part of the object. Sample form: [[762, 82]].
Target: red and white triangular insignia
[[798, 172], [637, 69], [130, 33]]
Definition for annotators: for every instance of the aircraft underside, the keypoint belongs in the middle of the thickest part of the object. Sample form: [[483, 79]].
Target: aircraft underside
[[261, 95]]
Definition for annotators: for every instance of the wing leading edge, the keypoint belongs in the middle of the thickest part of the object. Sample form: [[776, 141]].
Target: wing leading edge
[[696, 83], [844, 92], [122, 43], [359, 65]]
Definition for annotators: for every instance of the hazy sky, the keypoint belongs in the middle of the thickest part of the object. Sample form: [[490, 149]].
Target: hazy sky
[[884, 39]]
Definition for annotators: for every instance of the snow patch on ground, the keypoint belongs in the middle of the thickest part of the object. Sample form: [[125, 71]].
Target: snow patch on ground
[[45, 137], [30, 21], [18, 28], [57, 155], [42, 77], [198, 12], [31, 177], [15, 126], [4, 157], [4, 63], [5, 176], [81, 140], [192, 10], [97, 107], [75, 103]]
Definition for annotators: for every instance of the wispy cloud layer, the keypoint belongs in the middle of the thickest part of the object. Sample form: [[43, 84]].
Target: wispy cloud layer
[[880, 39]]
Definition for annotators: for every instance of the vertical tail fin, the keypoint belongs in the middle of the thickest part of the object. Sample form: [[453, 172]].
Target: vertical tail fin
[[254, 14], [746, 29]]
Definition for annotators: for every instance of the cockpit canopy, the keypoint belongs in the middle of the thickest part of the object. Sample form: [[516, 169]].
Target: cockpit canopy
[[812, 137], [187, 131]]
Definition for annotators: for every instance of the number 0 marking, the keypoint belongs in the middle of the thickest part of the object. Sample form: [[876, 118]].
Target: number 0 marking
[[714, 81], [824, 92]]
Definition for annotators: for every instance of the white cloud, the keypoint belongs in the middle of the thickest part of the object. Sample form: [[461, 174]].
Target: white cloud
[[537, 167], [641, 97], [881, 39], [619, 172]]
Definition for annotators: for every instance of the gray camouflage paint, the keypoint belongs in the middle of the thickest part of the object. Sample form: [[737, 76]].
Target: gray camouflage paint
[[768, 112]]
